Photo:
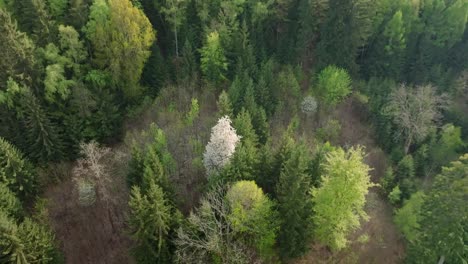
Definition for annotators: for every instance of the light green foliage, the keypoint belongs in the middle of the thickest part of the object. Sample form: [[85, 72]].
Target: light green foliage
[[150, 222], [193, 112], [72, 48], [294, 209], [407, 218], [213, 61], [56, 83], [339, 201], [444, 218], [224, 105], [9, 204], [15, 171], [121, 36], [253, 216], [448, 145], [395, 195], [333, 85], [25, 243]]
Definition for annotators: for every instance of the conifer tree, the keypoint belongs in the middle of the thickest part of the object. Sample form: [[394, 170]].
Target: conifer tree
[[9, 204], [293, 206], [25, 243], [150, 222], [224, 105], [443, 215], [16, 172], [17, 52]]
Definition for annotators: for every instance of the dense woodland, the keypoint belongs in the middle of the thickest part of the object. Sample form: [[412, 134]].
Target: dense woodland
[[233, 131]]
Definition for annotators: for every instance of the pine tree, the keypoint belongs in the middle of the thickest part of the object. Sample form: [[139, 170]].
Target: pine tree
[[293, 206], [16, 172]]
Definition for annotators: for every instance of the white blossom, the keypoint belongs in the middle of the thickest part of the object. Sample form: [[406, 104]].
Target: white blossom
[[309, 105], [222, 145]]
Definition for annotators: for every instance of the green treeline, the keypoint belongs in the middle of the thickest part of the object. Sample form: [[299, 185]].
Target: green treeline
[[275, 174]]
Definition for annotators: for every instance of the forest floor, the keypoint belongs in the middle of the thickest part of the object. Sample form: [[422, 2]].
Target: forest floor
[[97, 234], [384, 244]]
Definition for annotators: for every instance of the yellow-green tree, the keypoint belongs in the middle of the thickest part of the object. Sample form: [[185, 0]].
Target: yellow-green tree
[[339, 201], [121, 35]]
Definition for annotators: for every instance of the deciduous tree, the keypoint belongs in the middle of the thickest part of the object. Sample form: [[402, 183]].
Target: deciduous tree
[[339, 201]]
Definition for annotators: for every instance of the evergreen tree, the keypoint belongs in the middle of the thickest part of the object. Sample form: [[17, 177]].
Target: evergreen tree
[[17, 53], [150, 222], [224, 105], [443, 219], [9, 204], [25, 243], [16, 172], [293, 206]]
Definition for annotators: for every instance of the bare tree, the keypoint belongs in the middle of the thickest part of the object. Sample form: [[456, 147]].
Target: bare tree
[[92, 173], [415, 111], [210, 234]]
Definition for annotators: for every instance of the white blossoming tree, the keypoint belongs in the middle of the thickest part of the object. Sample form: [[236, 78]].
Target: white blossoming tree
[[221, 147]]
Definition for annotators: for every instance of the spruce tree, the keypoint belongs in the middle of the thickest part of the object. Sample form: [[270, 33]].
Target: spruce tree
[[293, 205], [16, 172], [9, 204], [151, 219]]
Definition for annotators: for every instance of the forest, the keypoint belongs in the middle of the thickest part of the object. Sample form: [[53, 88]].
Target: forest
[[234, 131]]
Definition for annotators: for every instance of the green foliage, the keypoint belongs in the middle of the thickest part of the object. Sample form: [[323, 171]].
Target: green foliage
[[443, 219], [213, 61], [17, 52], [193, 113], [253, 217], [333, 85], [224, 105], [448, 145], [121, 36], [25, 243], [151, 218], [339, 201], [407, 218], [16, 172], [395, 195], [294, 210], [9, 204]]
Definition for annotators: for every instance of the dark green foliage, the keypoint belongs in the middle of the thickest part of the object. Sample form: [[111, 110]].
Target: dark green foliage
[[42, 138], [404, 175], [155, 72], [443, 218], [295, 211], [151, 219], [16, 172]]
